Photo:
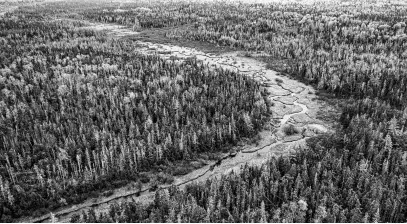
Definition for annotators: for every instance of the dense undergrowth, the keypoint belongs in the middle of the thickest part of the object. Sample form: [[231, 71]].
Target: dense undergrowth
[[81, 113]]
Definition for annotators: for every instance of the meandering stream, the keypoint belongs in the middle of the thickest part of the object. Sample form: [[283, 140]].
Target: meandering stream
[[288, 116]]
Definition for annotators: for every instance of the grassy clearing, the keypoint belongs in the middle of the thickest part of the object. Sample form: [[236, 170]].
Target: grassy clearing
[[157, 35]]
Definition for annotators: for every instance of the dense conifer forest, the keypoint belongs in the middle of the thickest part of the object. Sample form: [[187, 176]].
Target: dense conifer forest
[[79, 110], [82, 112]]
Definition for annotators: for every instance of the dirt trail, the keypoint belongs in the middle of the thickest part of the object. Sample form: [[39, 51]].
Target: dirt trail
[[294, 103]]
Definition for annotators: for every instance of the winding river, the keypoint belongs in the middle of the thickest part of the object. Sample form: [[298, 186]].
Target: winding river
[[288, 116]]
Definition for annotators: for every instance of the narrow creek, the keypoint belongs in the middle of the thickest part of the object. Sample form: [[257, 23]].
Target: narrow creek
[[288, 116]]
